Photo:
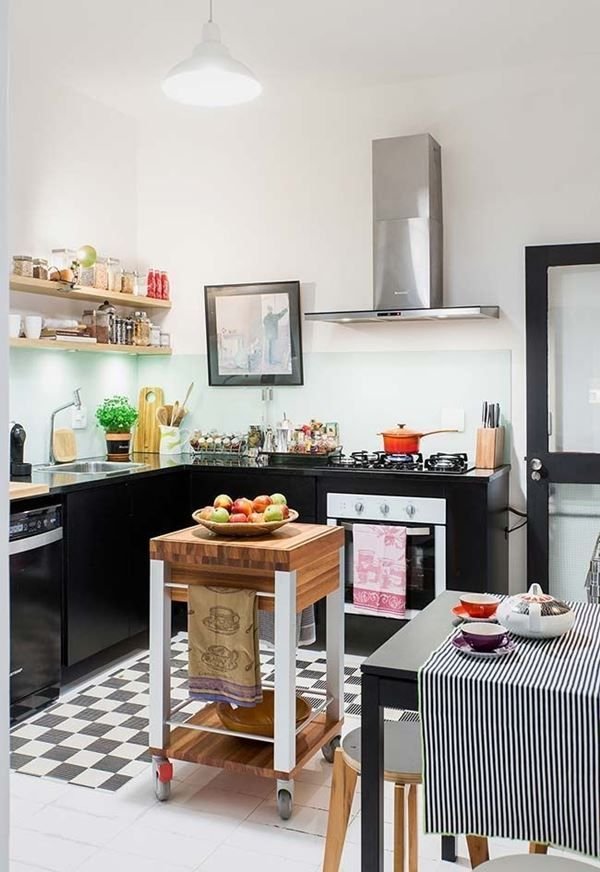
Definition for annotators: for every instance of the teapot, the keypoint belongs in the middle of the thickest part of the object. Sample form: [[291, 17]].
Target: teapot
[[535, 614]]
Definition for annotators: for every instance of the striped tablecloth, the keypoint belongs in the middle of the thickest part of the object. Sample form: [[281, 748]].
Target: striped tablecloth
[[511, 746]]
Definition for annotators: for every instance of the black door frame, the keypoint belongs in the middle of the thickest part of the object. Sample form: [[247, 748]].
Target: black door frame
[[556, 467]]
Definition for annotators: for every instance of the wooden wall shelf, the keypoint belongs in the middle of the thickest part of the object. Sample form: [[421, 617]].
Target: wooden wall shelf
[[64, 345], [66, 292]]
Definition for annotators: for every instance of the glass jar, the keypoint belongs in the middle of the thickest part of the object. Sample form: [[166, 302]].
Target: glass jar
[[165, 340], [102, 327], [40, 268], [89, 319], [155, 335], [113, 269], [63, 258], [129, 331], [23, 265], [141, 329], [86, 276], [128, 281], [101, 274]]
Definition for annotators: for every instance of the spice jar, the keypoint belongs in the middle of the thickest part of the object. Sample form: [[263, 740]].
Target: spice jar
[[127, 281], [165, 340], [113, 269], [40, 268], [101, 274], [86, 276], [129, 329], [23, 265], [154, 335]]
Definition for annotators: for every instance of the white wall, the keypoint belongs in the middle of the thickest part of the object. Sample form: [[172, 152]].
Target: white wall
[[72, 181]]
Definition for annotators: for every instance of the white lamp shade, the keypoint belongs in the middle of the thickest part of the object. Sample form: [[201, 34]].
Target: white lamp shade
[[211, 77]]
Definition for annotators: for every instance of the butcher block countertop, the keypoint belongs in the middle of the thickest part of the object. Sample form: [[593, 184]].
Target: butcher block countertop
[[18, 490]]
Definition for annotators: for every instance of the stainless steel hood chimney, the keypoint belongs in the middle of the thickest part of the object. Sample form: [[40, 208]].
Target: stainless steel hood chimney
[[407, 237]]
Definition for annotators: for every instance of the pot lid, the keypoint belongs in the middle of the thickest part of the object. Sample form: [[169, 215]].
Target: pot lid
[[401, 430]]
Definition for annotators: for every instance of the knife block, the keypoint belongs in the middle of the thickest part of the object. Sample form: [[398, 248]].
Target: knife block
[[489, 451]]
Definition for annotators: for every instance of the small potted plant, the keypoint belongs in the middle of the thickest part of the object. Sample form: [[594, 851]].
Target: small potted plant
[[117, 416]]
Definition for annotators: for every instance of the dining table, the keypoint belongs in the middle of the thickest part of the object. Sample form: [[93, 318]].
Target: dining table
[[510, 744], [390, 680]]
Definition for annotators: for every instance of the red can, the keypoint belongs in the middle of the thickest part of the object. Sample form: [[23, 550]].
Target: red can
[[165, 290]]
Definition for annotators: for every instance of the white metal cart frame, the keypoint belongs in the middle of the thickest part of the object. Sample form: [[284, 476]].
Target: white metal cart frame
[[285, 730]]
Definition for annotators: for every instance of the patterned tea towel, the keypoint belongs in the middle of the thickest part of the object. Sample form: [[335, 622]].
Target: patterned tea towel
[[379, 558], [224, 659]]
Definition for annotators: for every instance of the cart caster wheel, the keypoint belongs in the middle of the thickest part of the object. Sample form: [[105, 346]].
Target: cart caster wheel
[[284, 804], [329, 749], [162, 773]]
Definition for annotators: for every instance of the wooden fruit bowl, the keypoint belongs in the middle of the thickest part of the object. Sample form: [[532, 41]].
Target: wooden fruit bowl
[[260, 719], [238, 531]]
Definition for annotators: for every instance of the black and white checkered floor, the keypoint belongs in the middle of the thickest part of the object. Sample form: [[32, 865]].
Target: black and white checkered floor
[[98, 736]]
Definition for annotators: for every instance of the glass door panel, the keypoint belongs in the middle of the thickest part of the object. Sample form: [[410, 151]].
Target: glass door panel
[[574, 358], [573, 528]]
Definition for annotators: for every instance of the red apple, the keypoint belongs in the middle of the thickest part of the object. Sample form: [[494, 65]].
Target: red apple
[[259, 504], [285, 510], [206, 513], [223, 502], [256, 518], [243, 506], [238, 518]]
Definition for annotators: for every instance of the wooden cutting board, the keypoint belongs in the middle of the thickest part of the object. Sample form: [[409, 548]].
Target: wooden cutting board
[[147, 435], [18, 490], [64, 445]]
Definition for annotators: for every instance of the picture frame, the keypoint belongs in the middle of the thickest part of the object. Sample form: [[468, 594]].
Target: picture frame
[[254, 334]]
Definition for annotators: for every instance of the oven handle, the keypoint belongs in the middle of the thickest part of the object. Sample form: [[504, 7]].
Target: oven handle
[[410, 531], [30, 543]]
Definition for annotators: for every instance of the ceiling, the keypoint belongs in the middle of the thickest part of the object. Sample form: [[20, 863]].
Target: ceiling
[[118, 50]]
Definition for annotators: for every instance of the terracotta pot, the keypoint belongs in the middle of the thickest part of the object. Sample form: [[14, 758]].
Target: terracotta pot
[[118, 446], [402, 440]]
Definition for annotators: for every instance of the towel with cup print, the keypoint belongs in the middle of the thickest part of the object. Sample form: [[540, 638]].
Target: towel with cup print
[[512, 744], [224, 660], [379, 575]]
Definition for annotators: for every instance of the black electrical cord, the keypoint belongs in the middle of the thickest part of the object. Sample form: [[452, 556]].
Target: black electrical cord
[[509, 530]]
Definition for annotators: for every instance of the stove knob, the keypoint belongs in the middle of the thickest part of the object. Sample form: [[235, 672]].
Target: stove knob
[[359, 507], [384, 509], [410, 511]]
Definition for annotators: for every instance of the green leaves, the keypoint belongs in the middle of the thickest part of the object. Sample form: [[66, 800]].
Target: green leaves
[[116, 415]]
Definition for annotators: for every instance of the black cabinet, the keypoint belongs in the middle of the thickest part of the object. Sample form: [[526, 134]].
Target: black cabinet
[[97, 570], [300, 490], [107, 563]]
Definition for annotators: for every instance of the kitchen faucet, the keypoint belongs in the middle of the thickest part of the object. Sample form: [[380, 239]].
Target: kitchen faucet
[[76, 401]]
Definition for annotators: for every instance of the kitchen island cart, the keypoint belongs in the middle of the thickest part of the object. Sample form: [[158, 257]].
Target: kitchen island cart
[[291, 569]]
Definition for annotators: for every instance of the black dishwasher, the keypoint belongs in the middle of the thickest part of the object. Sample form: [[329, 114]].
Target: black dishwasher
[[36, 567]]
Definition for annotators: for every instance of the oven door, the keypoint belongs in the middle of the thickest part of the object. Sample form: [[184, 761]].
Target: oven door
[[425, 565]]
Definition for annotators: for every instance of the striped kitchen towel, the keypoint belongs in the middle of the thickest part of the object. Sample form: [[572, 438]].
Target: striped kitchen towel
[[512, 745]]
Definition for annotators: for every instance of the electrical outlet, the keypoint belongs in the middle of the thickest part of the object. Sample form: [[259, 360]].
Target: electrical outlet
[[79, 418], [453, 419]]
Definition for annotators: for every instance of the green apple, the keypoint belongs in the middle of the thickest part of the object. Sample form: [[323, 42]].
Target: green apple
[[279, 499], [220, 516], [273, 513], [87, 256]]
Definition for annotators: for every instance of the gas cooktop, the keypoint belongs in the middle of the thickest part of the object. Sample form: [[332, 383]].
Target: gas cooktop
[[455, 464]]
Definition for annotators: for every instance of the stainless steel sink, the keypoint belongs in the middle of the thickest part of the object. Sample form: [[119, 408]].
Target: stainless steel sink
[[91, 467]]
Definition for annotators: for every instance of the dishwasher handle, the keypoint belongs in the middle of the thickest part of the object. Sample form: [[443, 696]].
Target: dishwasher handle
[[30, 543]]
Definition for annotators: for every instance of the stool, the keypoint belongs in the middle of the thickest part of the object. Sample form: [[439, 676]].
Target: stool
[[534, 863], [479, 853], [402, 766]]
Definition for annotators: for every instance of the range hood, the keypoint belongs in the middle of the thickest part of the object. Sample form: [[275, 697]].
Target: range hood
[[407, 237]]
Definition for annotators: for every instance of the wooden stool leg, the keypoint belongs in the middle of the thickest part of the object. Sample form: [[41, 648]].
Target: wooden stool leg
[[343, 786], [413, 829], [537, 848], [398, 828], [478, 850]]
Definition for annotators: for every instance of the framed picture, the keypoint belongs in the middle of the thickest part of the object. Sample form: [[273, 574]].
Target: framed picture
[[253, 334]]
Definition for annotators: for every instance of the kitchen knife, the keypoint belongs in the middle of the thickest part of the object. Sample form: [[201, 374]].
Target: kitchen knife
[[484, 413]]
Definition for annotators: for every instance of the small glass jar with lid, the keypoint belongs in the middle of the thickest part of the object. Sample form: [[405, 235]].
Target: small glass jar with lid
[[89, 319], [23, 265], [63, 258], [103, 326], [141, 332], [128, 281], [113, 272], [155, 335], [40, 268], [86, 276], [101, 274]]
